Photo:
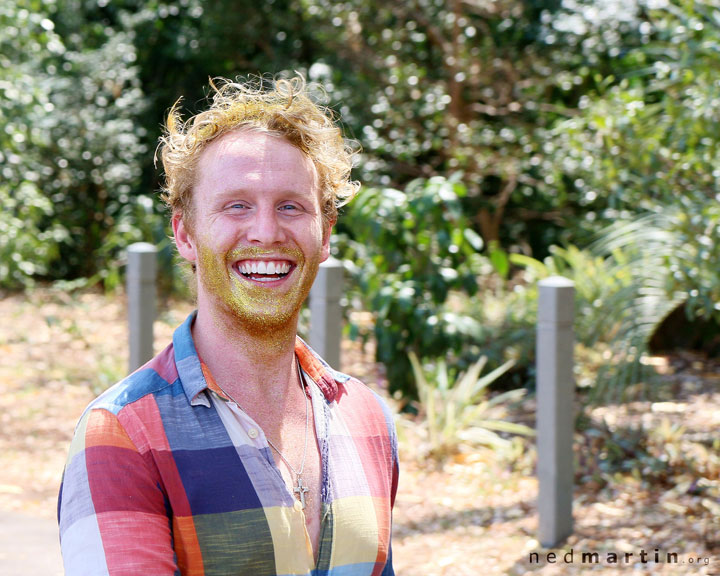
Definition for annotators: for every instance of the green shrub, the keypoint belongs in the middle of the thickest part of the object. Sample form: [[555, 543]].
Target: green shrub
[[70, 102], [624, 289], [459, 413], [25, 249], [407, 251]]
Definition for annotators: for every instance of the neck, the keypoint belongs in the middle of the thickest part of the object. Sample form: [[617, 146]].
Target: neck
[[244, 361]]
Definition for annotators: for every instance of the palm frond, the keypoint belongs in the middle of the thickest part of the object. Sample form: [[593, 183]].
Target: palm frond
[[638, 251]]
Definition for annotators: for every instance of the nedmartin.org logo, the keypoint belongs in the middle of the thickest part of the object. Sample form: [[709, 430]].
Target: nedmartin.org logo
[[642, 556]]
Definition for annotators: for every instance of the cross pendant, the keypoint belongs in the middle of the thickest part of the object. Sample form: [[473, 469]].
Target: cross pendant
[[300, 490]]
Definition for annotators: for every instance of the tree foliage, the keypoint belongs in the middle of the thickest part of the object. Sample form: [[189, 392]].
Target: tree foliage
[[70, 105], [26, 247], [434, 88], [408, 251], [547, 120], [648, 144]]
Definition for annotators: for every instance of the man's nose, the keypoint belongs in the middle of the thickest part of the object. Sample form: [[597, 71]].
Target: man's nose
[[265, 227]]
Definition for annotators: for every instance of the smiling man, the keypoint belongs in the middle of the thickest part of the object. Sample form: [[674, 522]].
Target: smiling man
[[237, 450]]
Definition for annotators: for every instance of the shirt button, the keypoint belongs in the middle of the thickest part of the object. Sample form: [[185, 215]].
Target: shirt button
[[253, 433], [297, 506]]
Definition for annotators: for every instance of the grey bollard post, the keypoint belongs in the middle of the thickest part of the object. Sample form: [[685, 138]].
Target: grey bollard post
[[555, 418], [326, 313], [141, 293]]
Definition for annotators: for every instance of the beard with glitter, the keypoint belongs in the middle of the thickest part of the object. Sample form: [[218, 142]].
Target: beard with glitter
[[255, 307]]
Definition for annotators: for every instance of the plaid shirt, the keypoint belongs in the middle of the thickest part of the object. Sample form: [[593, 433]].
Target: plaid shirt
[[159, 480]]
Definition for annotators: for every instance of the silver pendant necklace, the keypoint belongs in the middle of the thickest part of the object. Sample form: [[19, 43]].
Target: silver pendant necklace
[[299, 488]]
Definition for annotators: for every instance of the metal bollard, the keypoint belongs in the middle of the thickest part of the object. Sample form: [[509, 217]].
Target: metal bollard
[[141, 294], [555, 417], [326, 313]]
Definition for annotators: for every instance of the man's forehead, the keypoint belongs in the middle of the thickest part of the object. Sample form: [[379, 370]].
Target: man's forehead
[[253, 147], [251, 140], [246, 157]]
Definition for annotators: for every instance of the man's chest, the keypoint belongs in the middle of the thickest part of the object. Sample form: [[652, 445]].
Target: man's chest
[[305, 485], [235, 510]]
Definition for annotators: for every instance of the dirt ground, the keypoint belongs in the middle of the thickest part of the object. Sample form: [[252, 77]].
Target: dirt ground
[[474, 515]]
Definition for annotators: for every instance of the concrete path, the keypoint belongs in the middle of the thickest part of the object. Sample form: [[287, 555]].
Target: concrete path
[[29, 546]]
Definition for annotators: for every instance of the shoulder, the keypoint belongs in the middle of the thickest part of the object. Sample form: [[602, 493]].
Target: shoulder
[[155, 377], [336, 386], [364, 412], [363, 404], [360, 395], [136, 407], [138, 414]]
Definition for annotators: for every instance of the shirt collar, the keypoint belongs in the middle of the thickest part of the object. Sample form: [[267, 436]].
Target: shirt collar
[[194, 380]]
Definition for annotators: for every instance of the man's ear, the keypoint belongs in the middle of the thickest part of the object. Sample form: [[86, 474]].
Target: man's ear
[[327, 231], [183, 237]]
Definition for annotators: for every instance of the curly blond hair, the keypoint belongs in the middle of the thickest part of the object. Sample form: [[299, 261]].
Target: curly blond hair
[[281, 107]]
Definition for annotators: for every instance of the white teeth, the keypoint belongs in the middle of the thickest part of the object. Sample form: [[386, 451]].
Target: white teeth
[[263, 267]]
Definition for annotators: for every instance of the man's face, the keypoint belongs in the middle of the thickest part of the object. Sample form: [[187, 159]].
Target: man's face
[[257, 234]]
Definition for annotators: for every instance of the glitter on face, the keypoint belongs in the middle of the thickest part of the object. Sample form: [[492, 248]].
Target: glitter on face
[[259, 308]]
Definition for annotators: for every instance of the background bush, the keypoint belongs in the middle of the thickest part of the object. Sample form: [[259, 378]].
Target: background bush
[[530, 125], [408, 251]]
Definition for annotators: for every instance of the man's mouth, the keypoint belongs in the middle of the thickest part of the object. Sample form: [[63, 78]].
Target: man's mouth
[[264, 270]]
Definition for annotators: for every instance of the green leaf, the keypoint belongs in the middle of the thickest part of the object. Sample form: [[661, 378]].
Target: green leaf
[[499, 260]]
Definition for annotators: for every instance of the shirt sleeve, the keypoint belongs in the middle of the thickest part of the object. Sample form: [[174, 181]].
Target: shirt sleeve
[[113, 513], [388, 570]]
